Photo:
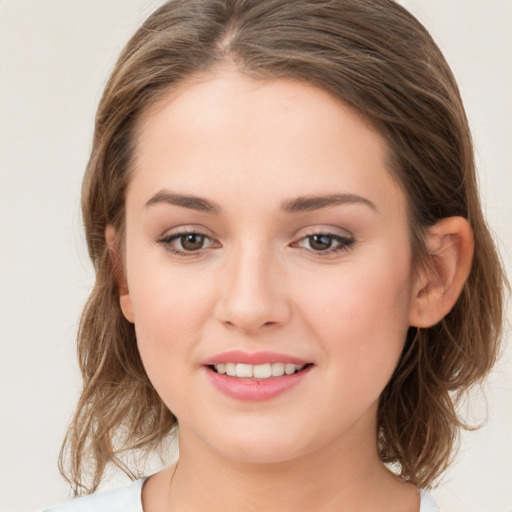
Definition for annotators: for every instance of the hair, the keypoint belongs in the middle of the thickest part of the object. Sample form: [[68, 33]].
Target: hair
[[375, 57]]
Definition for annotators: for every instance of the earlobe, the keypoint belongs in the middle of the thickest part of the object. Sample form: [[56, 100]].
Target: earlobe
[[119, 274], [450, 247]]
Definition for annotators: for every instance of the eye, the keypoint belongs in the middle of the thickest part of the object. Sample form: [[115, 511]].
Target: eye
[[187, 243], [325, 243], [320, 242], [191, 241]]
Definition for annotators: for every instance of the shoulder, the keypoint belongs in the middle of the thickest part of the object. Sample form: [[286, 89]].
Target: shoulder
[[124, 499], [428, 503]]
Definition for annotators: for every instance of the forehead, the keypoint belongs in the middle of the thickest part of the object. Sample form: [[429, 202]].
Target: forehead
[[262, 139]]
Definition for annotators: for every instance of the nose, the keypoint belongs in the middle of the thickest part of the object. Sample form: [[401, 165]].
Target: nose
[[253, 295]]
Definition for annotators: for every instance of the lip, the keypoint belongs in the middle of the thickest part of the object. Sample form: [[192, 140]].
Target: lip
[[255, 389], [239, 356]]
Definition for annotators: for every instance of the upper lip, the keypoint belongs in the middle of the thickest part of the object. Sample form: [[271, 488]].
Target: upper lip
[[254, 358]]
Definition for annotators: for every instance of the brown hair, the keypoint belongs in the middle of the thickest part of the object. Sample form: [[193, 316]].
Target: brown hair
[[374, 56]]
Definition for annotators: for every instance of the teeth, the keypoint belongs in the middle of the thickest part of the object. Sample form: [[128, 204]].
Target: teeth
[[277, 369], [243, 370], [262, 371], [289, 368], [258, 371]]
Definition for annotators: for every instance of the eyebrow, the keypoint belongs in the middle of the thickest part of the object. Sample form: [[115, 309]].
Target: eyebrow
[[316, 202], [187, 201], [299, 204]]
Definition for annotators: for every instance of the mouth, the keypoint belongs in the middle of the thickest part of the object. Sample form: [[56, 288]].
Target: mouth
[[256, 376], [257, 371]]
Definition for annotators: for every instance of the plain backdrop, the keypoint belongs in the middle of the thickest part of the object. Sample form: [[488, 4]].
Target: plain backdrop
[[54, 60]]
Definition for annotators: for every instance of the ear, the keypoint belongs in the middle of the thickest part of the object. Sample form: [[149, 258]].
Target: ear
[[119, 273], [450, 246]]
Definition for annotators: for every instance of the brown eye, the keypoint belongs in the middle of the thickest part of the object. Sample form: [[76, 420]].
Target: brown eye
[[325, 244], [320, 242], [192, 241], [188, 243]]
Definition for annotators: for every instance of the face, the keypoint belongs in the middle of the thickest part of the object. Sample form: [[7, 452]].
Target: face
[[265, 236]]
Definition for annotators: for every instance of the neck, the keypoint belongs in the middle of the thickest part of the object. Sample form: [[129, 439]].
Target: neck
[[348, 476], [304, 484]]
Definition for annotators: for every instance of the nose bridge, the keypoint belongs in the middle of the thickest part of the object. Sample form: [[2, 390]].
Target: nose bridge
[[252, 295]]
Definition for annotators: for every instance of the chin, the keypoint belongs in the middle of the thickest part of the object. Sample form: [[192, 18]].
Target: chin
[[259, 444], [249, 453]]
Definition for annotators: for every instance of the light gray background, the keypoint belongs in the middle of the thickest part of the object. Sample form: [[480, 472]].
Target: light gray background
[[54, 59]]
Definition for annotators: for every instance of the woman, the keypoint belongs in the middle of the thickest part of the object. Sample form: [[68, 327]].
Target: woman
[[291, 260]]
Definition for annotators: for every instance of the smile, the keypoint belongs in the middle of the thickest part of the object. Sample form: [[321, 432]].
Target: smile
[[256, 376], [258, 371]]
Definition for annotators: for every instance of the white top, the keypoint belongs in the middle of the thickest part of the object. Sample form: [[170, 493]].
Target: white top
[[128, 499]]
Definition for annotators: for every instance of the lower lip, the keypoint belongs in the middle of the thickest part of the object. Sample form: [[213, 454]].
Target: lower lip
[[255, 389]]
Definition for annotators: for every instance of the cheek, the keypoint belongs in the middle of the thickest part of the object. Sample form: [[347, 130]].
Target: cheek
[[361, 316], [171, 310]]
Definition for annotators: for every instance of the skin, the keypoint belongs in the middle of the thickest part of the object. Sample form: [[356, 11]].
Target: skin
[[259, 284]]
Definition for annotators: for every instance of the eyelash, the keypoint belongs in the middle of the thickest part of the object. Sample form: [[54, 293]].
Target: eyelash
[[345, 243], [168, 240]]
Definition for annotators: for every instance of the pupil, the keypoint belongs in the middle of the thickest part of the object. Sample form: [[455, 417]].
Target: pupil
[[321, 242], [192, 242]]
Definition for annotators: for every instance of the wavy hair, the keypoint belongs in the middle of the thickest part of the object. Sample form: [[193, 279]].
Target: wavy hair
[[374, 56]]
